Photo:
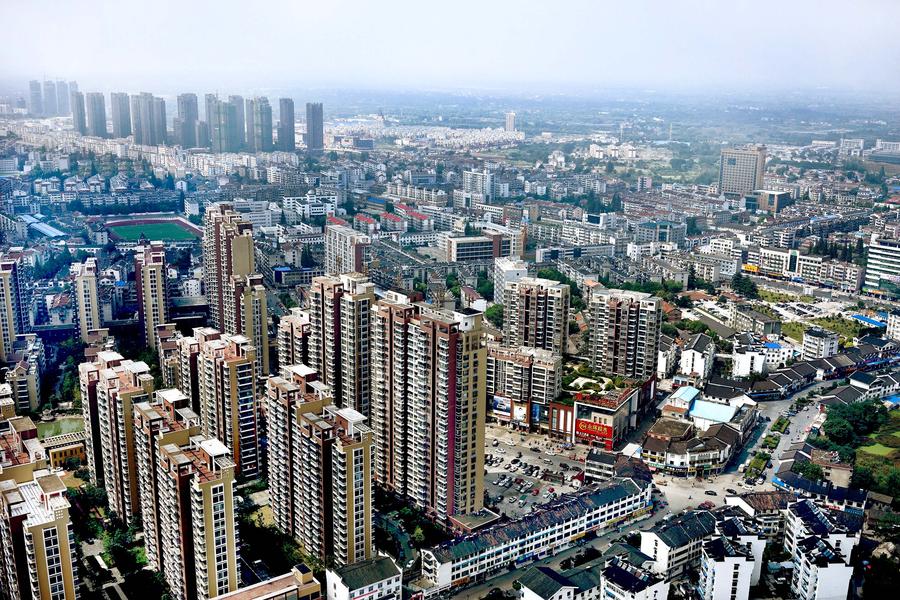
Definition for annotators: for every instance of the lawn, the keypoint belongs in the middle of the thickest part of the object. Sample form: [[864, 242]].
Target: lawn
[[757, 465], [793, 330], [845, 328], [878, 450], [770, 442], [780, 424], [153, 231]]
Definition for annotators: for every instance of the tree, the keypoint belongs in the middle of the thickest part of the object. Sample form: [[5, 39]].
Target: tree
[[494, 314], [744, 286], [810, 471], [418, 536]]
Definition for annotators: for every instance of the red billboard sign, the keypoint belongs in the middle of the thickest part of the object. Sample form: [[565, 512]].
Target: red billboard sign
[[590, 429]]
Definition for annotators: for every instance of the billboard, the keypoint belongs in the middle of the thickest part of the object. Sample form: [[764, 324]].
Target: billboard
[[501, 407], [591, 430]]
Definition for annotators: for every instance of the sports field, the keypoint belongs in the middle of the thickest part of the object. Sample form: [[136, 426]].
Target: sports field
[[152, 231]]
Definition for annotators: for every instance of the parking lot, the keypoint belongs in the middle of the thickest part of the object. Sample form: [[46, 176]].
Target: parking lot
[[525, 469]]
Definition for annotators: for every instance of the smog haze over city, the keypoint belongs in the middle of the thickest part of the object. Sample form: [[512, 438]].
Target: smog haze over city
[[411, 300]]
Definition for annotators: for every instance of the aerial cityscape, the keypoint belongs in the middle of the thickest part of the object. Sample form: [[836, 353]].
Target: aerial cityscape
[[386, 301]]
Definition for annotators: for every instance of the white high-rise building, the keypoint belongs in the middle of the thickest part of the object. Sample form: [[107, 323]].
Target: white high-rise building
[[346, 250], [507, 269]]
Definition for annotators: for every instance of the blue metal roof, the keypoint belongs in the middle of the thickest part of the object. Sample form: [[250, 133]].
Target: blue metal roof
[[772, 345], [869, 321], [686, 393], [712, 411]]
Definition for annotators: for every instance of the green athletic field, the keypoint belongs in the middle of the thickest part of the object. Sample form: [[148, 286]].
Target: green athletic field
[[152, 231]]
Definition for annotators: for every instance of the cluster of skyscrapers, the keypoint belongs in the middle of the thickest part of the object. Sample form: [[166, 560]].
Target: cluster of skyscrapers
[[230, 125]]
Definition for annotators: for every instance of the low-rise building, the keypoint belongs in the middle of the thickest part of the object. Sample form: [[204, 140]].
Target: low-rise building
[[377, 578], [550, 529]]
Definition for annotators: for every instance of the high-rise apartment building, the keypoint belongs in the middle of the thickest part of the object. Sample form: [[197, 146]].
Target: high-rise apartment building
[[79, 115], [186, 124], [507, 269], [227, 252], [479, 182], [340, 329], [38, 556], [10, 307], [50, 103], [95, 109], [741, 170], [315, 127], [148, 119], [259, 125], [234, 290], [510, 124], [120, 106], [35, 98], [110, 386], [624, 332], [226, 368], [526, 379], [223, 125], [62, 99], [320, 471], [293, 338], [883, 267], [428, 405], [152, 288], [187, 499], [87, 296], [246, 314], [536, 314], [346, 250], [240, 125], [287, 140]]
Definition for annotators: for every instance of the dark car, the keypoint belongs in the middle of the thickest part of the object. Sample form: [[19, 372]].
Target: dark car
[[711, 493], [732, 491]]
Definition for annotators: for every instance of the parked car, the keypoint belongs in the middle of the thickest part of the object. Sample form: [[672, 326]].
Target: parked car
[[711, 493]]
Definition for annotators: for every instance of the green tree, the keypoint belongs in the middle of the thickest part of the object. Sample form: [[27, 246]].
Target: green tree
[[810, 471], [494, 314]]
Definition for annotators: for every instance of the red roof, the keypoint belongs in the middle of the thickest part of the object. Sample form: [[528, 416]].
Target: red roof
[[391, 217], [364, 219], [336, 221], [416, 215]]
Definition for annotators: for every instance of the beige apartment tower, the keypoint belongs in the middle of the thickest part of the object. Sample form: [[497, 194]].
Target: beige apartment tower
[[187, 485], [346, 250], [624, 332], [152, 290], [536, 313], [321, 463], [428, 414], [226, 386], [234, 290], [38, 556], [340, 330], [9, 294], [87, 297], [110, 387], [293, 338]]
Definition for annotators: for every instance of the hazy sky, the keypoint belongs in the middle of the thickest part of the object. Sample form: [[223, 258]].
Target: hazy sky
[[160, 45]]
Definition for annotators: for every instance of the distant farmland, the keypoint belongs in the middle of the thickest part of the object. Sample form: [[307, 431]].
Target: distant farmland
[[163, 230]]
